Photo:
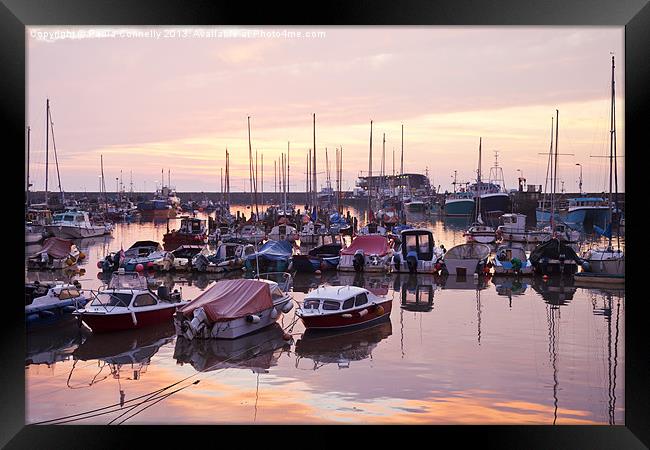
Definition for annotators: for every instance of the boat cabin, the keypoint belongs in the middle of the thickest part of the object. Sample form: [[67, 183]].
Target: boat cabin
[[74, 218], [588, 202], [191, 225], [335, 299], [513, 222], [419, 241]]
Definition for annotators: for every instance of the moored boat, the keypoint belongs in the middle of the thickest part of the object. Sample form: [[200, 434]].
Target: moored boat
[[466, 259], [57, 304], [367, 253], [342, 307], [192, 231], [417, 252], [232, 308], [511, 259], [554, 257], [75, 225]]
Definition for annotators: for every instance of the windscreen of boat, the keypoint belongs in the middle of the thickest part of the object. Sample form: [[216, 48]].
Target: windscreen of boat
[[111, 299]]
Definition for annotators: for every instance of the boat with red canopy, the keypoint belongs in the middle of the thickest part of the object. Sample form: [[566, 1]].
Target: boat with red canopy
[[367, 253]]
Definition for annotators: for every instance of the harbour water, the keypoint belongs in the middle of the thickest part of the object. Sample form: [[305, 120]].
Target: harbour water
[[499, 351]]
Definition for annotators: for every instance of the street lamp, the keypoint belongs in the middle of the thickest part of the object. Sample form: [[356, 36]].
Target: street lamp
[[580, 184], [521, 177]]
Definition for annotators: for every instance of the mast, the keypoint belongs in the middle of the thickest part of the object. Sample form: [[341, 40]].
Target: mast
[[554, 183], [262, 165], [29, 130], [370, 177], [288, 150], [478, 183], [612, 158], [47, 148], [56, 158], [401, 170], [313, 181], [383, 160]]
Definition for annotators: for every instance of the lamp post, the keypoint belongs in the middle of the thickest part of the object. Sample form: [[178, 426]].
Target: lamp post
[[520, 178], [580, 183]]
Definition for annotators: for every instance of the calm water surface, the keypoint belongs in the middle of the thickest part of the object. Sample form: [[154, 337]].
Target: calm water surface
[[453, 352]]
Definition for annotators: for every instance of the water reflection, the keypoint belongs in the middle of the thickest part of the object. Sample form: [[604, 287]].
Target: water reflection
[[342, 347], [416, 291], [258, 351], [55, 344], [556, 291]]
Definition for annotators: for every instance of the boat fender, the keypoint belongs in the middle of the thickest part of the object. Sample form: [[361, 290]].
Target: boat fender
[[252, 318], [133, 318], [380, 310], [363, 312], [346, 316], [287, 307]]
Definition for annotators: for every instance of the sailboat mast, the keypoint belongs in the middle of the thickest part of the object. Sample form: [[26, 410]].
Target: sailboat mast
[[554, 183], [383, 160], [29, 130], [47, 148], [478, 181], [288, 152], [401, 170], [56, 159], [313, 180], [612, 140], [370, 176]]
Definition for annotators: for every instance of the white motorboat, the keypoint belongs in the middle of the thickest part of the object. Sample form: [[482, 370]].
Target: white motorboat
[[232, 308], [483, 234], [283, 232], [75, 225], [417, 253], [227, 257], [513, 229], [466, 259], [367, 253]]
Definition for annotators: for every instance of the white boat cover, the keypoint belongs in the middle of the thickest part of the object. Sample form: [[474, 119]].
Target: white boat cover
[[231, 299], [468, 251]]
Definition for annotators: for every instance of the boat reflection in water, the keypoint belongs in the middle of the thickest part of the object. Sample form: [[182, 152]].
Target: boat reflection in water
[[257, 351], [463, 282], [132, 348], [341, 347], [54, 344], [508, 286], [556, 290], [416, 291]]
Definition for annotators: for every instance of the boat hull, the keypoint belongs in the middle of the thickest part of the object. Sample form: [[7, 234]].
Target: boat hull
[[494, 204], [556, 267], [462, 267], [107, 322], [374, 313], [459, 208], [590, 278], [67, 232]]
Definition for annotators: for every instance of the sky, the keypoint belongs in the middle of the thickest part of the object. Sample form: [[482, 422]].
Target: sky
[[173, 99]]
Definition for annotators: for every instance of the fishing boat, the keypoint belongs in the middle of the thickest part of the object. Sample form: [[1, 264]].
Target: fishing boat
[[57, 304], [75, 225], [459, 204], [322, 257], [227, 257], [232, 308], [587, 210], [513, 229], [342, 307], [367, 253], [466, 259], [417, 252], [192, 231], [554, 257], [273, 256], [415, 206], [511, 259], [128, 303], [56, 254]]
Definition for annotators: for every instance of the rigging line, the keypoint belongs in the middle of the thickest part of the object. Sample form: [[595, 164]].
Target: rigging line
[[56, 160]]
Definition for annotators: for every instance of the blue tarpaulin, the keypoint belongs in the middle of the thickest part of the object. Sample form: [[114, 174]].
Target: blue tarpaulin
[[273, 251]]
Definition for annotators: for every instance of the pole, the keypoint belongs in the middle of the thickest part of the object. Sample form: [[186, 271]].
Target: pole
[[47, 148], [313, 182], [370, 177], [29, 130]]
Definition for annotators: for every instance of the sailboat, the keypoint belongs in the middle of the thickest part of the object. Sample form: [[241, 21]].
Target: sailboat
[[606, 265], [478, 231]]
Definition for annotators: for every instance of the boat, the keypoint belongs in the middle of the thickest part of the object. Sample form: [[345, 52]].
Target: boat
[[309, 232], [459, 204], [322, 257], [35, 221], [513, 229], [417, 252], [141, 252], [372, 228], [283, 232], [273, 256], [587, 211], [554, 257], [55, 254], [128, 303], [192, 231], [607, 262], [248, 233], [258, 351], [232, 308], [55, 306], [341, 347], [511, 259], [388, 216], [177, 260], [415, 206], [586, 278], [466, 259], [75, 225], [494, 199], [367, 253], [329, 307], [481, 233], [156, 209], [339, 225], [227, 257]]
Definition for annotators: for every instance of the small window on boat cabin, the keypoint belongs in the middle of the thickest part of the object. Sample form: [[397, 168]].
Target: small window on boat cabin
[[79, 218], [423, 244], [230, 251], [144, 300], [313, 303], [68, 218], [331, 305], [411, 243], [360, 299], [349, 303]]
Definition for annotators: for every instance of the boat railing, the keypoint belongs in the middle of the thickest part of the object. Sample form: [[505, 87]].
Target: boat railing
[[95, 295]]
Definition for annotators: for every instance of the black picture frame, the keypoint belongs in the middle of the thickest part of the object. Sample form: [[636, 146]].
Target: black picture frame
[[634, 15]]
